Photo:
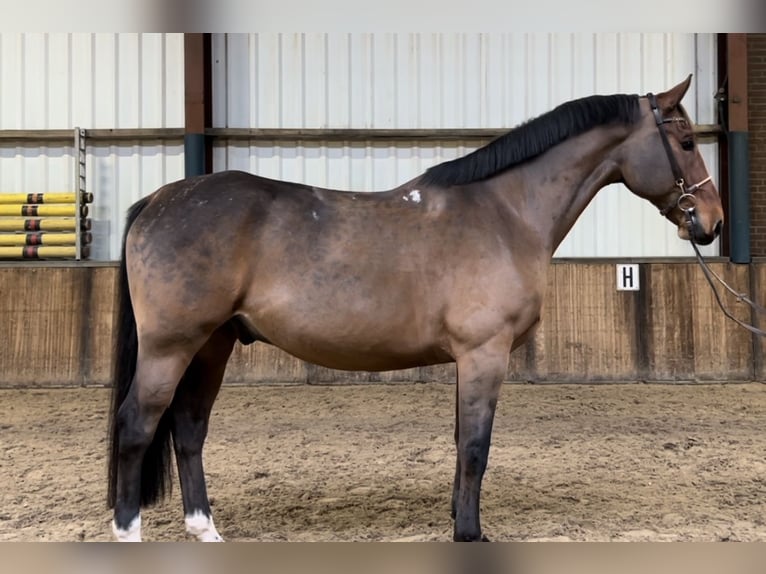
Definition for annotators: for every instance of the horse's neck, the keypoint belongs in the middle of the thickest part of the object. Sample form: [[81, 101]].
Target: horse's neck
[[557, 186]]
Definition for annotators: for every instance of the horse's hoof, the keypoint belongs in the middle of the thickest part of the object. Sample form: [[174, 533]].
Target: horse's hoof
[[482, 538]]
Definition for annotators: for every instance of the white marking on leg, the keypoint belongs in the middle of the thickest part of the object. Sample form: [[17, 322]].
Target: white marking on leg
[[130, 534], [201, 525]]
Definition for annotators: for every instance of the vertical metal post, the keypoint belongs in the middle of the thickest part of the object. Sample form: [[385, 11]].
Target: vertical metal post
[[739, 196], [194, 154], [79, 188]]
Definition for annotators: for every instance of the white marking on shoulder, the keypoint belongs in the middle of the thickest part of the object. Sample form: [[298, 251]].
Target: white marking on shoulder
[[405, 198], [130, 534], [201, 525], [315, 216], [415, 195]]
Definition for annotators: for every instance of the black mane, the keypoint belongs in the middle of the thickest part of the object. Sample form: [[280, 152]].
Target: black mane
[[534, 137]]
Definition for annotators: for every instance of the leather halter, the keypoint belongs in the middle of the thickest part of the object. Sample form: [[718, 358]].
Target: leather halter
[[685, 200]]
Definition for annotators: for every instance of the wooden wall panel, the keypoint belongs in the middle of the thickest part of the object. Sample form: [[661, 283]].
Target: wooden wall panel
[[56, 329], [436, 373], [587, 327], [669, 311], [759, 296], [100, 312], [40, 326], [723, 351], [259, 363], [689, 338]]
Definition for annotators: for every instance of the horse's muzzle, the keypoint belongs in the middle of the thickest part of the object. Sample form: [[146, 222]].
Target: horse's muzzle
[[694, 230]]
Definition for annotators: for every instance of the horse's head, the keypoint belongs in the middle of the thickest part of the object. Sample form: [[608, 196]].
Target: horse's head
[[660, 162]]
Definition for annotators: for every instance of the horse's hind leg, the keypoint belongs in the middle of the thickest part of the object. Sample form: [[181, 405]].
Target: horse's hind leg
[[142, 455], [190, 410]]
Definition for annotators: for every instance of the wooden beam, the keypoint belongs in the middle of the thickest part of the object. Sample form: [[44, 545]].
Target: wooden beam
[[381, 135], [736, 47], [66, 137], [414, 135], [194, 82]]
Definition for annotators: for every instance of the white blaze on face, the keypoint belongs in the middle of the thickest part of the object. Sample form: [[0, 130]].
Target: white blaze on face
[[201, 525], [131, 534]]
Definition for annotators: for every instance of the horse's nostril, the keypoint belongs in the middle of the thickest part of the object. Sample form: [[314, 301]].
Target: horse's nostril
[[718, 227]]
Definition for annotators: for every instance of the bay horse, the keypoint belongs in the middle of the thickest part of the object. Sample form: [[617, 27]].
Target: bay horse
[[448, 267]]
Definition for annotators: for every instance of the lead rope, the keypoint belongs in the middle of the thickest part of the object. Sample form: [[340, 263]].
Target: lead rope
[[741, 297]]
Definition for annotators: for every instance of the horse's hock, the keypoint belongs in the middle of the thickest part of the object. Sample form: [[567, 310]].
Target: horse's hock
[[48, 225]]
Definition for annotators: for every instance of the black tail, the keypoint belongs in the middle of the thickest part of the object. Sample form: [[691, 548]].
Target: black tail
[[156, 470]]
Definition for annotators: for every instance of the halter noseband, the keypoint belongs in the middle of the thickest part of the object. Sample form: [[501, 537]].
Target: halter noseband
[[686, 199]]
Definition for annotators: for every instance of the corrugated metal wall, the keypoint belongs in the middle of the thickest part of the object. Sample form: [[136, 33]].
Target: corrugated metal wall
[[447, 81], [62, 81]]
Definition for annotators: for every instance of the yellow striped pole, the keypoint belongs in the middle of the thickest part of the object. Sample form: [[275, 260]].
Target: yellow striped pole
[[43, 238], [40, 198], [42, 210], [41, 252], [56, 224]]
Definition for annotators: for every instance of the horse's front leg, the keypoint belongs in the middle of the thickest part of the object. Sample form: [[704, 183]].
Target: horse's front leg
[[456, 482], [480, 373]]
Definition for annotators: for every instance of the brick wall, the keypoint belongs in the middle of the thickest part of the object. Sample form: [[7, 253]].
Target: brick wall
[[756, 89]]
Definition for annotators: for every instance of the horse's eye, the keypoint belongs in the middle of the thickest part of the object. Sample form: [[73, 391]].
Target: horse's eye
[[687, 145]]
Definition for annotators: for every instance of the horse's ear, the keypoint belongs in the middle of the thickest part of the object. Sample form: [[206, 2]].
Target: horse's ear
[[670, 99]]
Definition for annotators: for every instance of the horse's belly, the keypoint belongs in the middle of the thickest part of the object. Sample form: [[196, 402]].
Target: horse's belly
[[368, 360], [342, 341]]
